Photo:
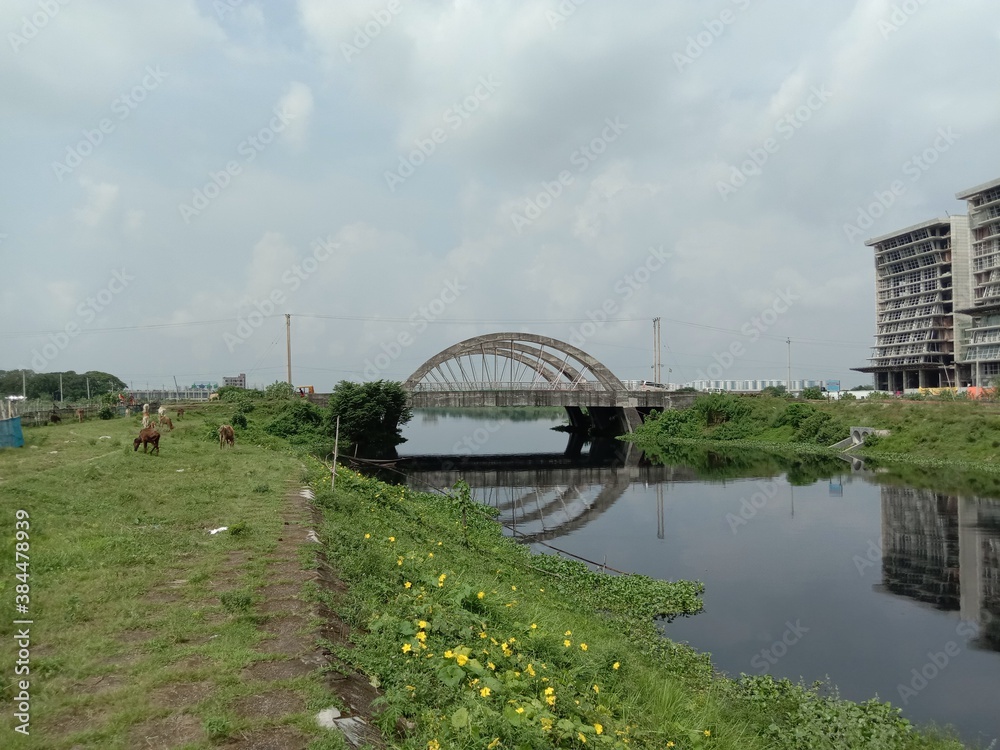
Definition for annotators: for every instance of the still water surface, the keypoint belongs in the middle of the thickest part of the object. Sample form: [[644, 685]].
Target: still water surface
[[885, 590]]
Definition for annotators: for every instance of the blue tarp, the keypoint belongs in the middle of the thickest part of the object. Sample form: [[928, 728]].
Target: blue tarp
[[10, 433]]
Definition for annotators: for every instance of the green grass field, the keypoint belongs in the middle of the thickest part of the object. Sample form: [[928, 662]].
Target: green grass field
[[136, 608]]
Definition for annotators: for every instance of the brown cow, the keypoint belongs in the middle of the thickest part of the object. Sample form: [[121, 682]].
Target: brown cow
[[227, 436], [180, 412], [79, 415], [54, 418], [165, 420], [148, 436]]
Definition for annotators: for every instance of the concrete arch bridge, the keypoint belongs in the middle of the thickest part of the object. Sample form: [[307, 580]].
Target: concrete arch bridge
[[526, 369]]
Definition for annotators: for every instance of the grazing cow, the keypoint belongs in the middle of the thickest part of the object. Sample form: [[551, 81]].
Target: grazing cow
[[165, 420], [162, 411], [79, 415], [213, 396], [227, 436], [148, 436], [180, 412], [128, 412], [147, 421], [54, 418]]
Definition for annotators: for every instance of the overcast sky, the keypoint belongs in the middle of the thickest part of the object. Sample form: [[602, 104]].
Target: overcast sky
[[427, 172]]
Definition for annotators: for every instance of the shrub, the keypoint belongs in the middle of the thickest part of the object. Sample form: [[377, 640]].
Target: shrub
[[106, 412], [239, 419], [279, 390]]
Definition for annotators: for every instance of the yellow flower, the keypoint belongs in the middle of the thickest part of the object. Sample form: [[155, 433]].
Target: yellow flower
[[482, 635], [670, 744], [421, 636], [596, 689], [583, 646], [567, 643], [598, 728], [530, 670], [549, 690], [448, 654], [493, 744], [513, 588], [407, 648], [485, 692], [430, 554], [422, 624], [433, 745], [491, 665], [368, 536], [392, 539], [480, 595], [546, 726], [534, 626], [568, 632], [616, 665], [399, 561], [407, 585], [708, 733], [461, 660], [551, 700], [579, 736], [410, 688], [519, 710]]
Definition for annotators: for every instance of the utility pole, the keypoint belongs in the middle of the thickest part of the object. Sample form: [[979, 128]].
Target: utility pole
[[60, 390], [24, 386], [657, 366], [88, 389], [789, 342], [288, 344]]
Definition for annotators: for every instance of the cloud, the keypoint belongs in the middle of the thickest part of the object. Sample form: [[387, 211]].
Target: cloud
[[298, 104], [101, 197]]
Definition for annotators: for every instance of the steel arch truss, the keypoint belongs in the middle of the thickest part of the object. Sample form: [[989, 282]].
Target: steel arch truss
[[497, 361]]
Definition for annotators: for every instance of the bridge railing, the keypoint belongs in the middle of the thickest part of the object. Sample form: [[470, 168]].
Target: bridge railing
[[480, 386]]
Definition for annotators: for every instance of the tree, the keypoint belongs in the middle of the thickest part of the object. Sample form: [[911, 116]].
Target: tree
[[812, 393], [370, 414], [774, 390]]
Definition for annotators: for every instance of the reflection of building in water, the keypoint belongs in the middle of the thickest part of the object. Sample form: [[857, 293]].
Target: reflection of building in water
[[944, 550]]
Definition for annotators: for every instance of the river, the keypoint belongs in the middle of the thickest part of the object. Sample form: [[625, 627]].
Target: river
[[816, 572]]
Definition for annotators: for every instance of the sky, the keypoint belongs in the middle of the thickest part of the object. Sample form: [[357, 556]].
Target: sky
[[399, 176]]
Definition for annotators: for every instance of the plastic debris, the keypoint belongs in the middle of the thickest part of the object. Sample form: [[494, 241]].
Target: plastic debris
[[216, 531]]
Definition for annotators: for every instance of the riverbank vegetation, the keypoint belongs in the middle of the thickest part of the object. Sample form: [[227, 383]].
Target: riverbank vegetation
[[472, 641], [938, 431]]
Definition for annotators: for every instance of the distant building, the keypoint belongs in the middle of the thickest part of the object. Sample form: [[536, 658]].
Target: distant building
[[239, 381], [938, 299]]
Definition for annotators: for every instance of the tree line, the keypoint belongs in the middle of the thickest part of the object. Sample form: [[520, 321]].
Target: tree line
[[45, 385]]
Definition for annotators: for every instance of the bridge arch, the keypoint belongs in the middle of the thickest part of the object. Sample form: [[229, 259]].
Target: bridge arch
[[524, 354]]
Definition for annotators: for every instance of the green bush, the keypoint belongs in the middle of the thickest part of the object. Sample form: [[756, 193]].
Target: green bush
[[239, 419], [794, 415], [296, 417], [106, 412], [279, 391]]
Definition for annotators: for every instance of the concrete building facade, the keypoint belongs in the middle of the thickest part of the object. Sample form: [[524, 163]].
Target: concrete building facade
[[921, 279], [980, 333], [237, 381]]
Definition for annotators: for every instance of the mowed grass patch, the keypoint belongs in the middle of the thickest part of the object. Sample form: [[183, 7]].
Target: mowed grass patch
[[131, 597]]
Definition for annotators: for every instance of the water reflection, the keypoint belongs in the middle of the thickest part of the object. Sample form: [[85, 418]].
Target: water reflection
[[942, 550]]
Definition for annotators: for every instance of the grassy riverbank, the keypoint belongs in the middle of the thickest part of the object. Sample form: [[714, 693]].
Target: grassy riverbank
[[966, 433], [145, 625], [480, 644]]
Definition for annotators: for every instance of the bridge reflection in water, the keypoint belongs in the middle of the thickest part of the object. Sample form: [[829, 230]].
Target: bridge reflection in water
[[939, 549], [543, 496]]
